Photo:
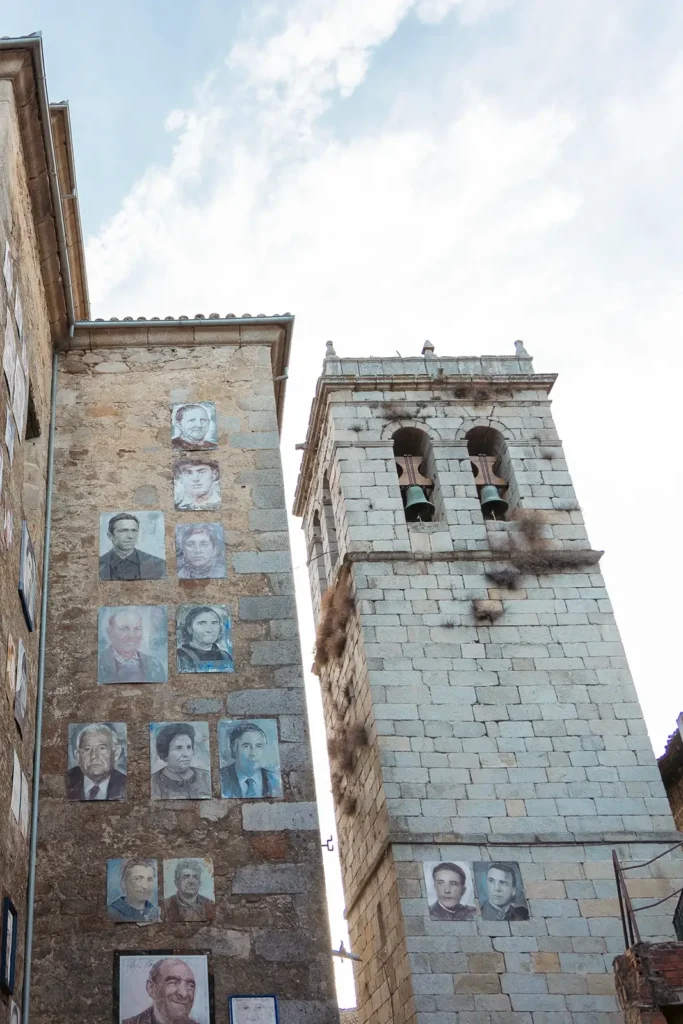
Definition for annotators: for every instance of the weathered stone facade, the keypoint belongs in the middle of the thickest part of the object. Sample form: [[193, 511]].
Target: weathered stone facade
[[483, 661]]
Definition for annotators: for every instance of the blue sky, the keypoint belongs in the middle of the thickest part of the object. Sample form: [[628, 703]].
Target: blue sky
[[468, 171]]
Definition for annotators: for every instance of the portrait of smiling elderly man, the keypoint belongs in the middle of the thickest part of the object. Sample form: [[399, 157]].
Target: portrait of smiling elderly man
[[200, 551], [451, 883], [500, 891], [184, 880], [132, 891], [196, 485], [127, 636], [193, 427], [120, 556], [170, 989], [95, 751]]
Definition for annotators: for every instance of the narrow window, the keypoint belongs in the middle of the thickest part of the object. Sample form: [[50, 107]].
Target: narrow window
[[32, 421]]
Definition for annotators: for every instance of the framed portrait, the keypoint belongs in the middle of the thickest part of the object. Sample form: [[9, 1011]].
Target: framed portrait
[[142, 980], [249, 757], [253, 1009], [132, 546], [8, 952], [133, 890], [11, 665], [9, 527], [200, 551], [180, 760], [97, 761], [25, 807], [20, 397], [10, 433], [450, 890], [16, 787], [21, 687], [19, 312], [500, 891], [28, 577], [196, 485], [189, 892], [14, 1013], [9, 353], [204, 638], [7, 269], [193, 427], [132, 644]]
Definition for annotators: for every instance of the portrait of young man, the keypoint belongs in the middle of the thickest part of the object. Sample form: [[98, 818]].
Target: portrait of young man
[[200, 551], [163, 989], [249, 759], [97, 753], [180, 760], [127, 636], [193, 427], [124, 540], [449, 887], [500, 891], [196, 485], [184, 880], [132, 891]]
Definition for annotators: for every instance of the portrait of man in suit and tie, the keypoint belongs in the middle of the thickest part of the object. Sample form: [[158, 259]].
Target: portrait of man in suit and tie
[[133, 644], [97, 761], [120, 556], [249, 759]]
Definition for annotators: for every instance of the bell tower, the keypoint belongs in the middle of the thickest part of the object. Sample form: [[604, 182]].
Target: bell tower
[[488, 750]]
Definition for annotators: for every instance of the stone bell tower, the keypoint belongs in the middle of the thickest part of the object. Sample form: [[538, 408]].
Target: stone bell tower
[[488, 750]]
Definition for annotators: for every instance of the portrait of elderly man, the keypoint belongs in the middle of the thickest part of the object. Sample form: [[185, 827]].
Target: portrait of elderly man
[[136, 881], [124, 632], [500, 891], [97, 749], [253, 1010], [187, 903], [172, 986], [196, 485], [203, 641], [193, 427], [200, 551], [120, 557], [183, 750], [450, 883], [243, 749]]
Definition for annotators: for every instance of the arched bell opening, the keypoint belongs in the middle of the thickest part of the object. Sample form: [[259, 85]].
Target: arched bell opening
[[415, 468], [485, 447]]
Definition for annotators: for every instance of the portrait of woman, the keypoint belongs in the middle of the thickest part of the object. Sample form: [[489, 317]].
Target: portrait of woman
[[180, 761], [203, 638]]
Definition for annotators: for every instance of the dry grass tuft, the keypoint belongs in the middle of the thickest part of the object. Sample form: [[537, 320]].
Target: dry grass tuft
[[335, 609], [487, 611], [503, 576], [357, 428]]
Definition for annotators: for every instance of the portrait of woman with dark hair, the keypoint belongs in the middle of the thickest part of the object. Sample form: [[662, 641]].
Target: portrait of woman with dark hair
[[203, 638], [180, 761]]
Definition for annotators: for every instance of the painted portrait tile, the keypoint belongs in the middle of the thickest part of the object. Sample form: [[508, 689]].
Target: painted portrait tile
[[28, 577], [20, 397], [133, 890], [10, 434], [16, 787], [450, 890], [25, 807], [193, 427], [500, 890], [249, 757], [132, 546], [203, 638], [133, 644], [144, 979], [97, 761], [253, 1009], [21, 687], [9, 353], [11, 665], [196, 485], [189, 893], [200, 551], [180, 760]]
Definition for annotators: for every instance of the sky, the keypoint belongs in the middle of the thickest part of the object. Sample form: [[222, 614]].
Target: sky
[[467, 171]]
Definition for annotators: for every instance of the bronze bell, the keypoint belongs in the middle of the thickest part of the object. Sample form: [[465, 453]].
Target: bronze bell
[[491, 502], [417, 507]]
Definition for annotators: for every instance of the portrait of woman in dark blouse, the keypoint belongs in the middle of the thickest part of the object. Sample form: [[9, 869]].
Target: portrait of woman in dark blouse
[[183, 747], [203, 638]]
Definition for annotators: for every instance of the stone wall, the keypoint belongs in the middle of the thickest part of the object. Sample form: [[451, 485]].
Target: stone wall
[[270, 933]]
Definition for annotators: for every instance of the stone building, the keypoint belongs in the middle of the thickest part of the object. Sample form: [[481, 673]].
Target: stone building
[[488, 749], [103, 446]]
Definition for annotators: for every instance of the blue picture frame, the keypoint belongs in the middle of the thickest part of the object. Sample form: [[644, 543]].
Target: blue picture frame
[[274, 1020], [8, 952]]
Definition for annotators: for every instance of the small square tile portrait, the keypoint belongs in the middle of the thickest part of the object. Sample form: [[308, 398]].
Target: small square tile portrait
[[253, 1009], [97, 759], [132, 890], [200, 551], [500, 891], [132, 644], [189, 893], [132, 546]]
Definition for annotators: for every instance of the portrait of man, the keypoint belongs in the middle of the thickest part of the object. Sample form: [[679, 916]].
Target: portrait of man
[[200, 551], [28, 577], [450, 890], [163, 989], [189, 890], [132, 890], [253, 1010], [21, 687], [133, 644], [196, 485], [9, 527], [193, 427], [97, 760], [500, 891], [249, 758], [11, 665], [132, 546], [203, 640], [180, 760]]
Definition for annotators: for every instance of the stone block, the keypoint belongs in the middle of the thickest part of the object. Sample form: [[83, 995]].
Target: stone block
[[266, 520], [287, 947], [255, 439], [275, 652], [265, 702], [261, 561], [258, 609], [281, 817]]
